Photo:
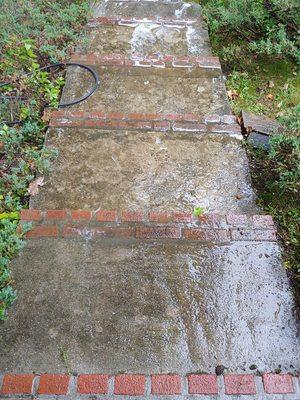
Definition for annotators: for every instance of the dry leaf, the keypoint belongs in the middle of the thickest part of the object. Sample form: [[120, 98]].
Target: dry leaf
[[34, 186], [232, 94], [238, 197], [1, 145], [286, 86], [269, 96]]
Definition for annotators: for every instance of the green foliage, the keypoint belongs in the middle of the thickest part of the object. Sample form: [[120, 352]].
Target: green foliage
[[32, 33], [265, 27], [276, 176]]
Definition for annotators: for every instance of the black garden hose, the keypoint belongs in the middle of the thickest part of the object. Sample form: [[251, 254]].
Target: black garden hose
[[67, 64]]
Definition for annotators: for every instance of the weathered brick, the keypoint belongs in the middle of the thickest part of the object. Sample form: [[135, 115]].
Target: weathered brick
[[260, 235], [43, 231], [81, 214], [202, 384], [113, 232], [263, 221], [127, 384], [239, 384], [132, 216], [229, 119], [278, 383], [207, 235], [144, 117], [159, 217], [212, 220], [212, 119], [162, 126], [165, 384], [92, 384], [158, 232], [54, 384], [56, 214], [106, 216], [116, 115], [230, 129], [208, 62], [183, 62], [17, 384], [181, 217], [31, 215], [189, 127], [237, 219]]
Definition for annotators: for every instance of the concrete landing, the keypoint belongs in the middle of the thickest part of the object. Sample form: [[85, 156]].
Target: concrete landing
[[146, 170], [148, 307], [143, 39], [149, 90], [145, 9]]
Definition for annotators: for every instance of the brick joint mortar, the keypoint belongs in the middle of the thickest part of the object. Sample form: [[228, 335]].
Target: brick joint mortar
[[26, 385], [153, 225]]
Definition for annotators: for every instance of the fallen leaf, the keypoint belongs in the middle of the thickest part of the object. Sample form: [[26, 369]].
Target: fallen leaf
[[286, 86], [238, 197], [1, 145], [269, 96], [34, 186], [232, 94], [271, 84]]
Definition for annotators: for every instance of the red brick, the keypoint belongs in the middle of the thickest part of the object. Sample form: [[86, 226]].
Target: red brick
[[202, 384], [190, 117], [173, 117], [56, 214], [144, 117], [92, 384], [237, 219], [263, 221], [189, 127], [132, 216], [158, 232], [259, 235], [31, 215], [116, 115], [165, 384], [207, 235], [239, 384], [160, 217], [43, 231], [162, 126], [17, 384], [181, 217], [133, 385], [81, 214], [212, 220], [54, 384], [279, 384], [106, 216]]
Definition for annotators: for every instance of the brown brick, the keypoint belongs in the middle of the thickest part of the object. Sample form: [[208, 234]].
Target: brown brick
[[132, 216], [56, 214], [158, 232], [181, 217], [207, 235], [106, 216], [165, 384], [31, 215], [43, 231], [81, 214], [17, 384], [128, 384], [54, 384], [159, 217]]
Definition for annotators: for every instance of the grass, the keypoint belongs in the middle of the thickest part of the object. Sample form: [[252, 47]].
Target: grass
[[33, 34]]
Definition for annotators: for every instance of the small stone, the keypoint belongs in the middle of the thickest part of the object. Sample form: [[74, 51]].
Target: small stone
[[220, 370], [253, 366]]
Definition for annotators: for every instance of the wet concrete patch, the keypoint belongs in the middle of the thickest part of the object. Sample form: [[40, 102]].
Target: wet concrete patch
[[149, 307], [149, 90], [146, 170], [147, 38], [146, 9]]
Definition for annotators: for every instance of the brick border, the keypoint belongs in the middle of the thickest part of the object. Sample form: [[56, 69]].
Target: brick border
[[218, 124], [153, 225], [129, 21], [142, 385], [167, 61]]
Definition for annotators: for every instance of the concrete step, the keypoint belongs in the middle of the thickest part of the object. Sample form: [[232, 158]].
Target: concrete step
[[146, 9], [169, 298], [146, 169], [149, 88], [138, 38]]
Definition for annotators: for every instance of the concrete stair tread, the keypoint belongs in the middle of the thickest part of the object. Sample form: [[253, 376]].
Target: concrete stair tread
[[142, 39], [142, 170]]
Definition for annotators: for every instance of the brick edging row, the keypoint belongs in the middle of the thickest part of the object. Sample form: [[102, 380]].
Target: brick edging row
[[153, 225], [167, 61], [216, 124], [129, 21], [142, 385]]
